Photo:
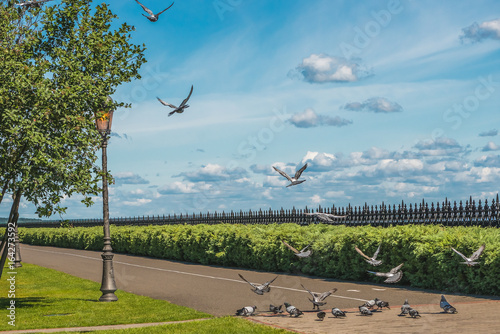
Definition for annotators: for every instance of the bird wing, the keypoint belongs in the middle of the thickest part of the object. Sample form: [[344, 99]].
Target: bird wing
[[165, 9], [187, 98], [243, 278], [376, 253], [166, 104], [299, 172], [361, 253], [303, 249], [283, 174], [329, 215], [293, 249], [265, 285], [326, 294], [463, 256], [314, 295], [396, 269], [395, 278], [146, 9], [477, 253]]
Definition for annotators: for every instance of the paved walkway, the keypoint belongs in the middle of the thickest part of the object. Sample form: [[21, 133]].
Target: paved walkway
[[219, 291]]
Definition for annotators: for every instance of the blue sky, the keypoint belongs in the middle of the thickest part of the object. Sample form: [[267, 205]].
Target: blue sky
[[385, 101]]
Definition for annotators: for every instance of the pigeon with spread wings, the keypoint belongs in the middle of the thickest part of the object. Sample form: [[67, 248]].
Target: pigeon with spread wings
[[470, 261], [319, 297], [32, 3], [181, 107], [393, 276], [302, 253], [328, 217], [152, 16], [259, 288], [371, 260], [295, 179]]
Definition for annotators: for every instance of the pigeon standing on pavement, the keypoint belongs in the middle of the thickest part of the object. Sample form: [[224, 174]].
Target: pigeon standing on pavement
[[413, 313], [181, 107], [446, 306], [371, 260], [405, 308], [319, 297], [381, 304], [303, 252], [246, 311], [393, 276], [275, 309], [369, 304], [337, 312], [152, 16], [259, 289], [292, 310], [321, 315], [365, 311], [470, 261], [293, 180]]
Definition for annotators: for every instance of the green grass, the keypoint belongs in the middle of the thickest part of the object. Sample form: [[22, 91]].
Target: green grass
[[47, 298], [223, 325]]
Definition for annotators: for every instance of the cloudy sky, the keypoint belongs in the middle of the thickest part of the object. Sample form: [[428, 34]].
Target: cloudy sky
[[384, 100]]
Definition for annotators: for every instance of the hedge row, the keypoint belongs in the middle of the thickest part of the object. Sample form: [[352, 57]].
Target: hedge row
[[425, 250]]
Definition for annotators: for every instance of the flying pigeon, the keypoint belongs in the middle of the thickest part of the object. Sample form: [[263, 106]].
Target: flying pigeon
[[293, 180], [260, 289], [275, 309], [321, 315], [446, 306], [365, 311], [337, 312], [302, 253], [413, 313], [381, 304], [152, 17], [470, 260], [371, 260], [181, 107], [292, 310], [319, 297], [246, 311], [405, 308], [393, 276], [327, 217], [32, 3]]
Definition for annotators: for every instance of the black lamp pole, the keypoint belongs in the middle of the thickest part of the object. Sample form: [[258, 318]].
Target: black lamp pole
[[108, 286]]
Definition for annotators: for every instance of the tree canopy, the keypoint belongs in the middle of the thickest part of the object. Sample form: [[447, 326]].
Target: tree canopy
[[59, 64]]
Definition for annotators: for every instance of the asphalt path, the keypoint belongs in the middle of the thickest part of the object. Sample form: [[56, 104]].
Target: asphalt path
[[220, 291]]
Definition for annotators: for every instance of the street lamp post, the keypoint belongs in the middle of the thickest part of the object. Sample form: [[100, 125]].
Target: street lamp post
[[108, 286]]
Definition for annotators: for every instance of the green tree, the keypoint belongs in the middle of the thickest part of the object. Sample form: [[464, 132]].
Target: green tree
[[59, 64]]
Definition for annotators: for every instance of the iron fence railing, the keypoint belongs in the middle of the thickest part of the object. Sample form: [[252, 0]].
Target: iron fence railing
[[444, 213]]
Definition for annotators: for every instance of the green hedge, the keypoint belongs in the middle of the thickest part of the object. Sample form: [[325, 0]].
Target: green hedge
[[426, 250]]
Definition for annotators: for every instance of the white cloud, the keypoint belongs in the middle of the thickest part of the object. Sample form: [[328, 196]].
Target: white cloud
[[137, 202], [374, 104], [129, 178], [308, 119], [321, 68], [491, 146], [484, 30]]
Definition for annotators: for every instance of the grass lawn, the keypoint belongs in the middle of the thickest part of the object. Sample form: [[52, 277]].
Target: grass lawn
[[46, 298], [225, 325]]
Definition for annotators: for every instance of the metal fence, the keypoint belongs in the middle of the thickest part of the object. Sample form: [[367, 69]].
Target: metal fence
[[446, 213]]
